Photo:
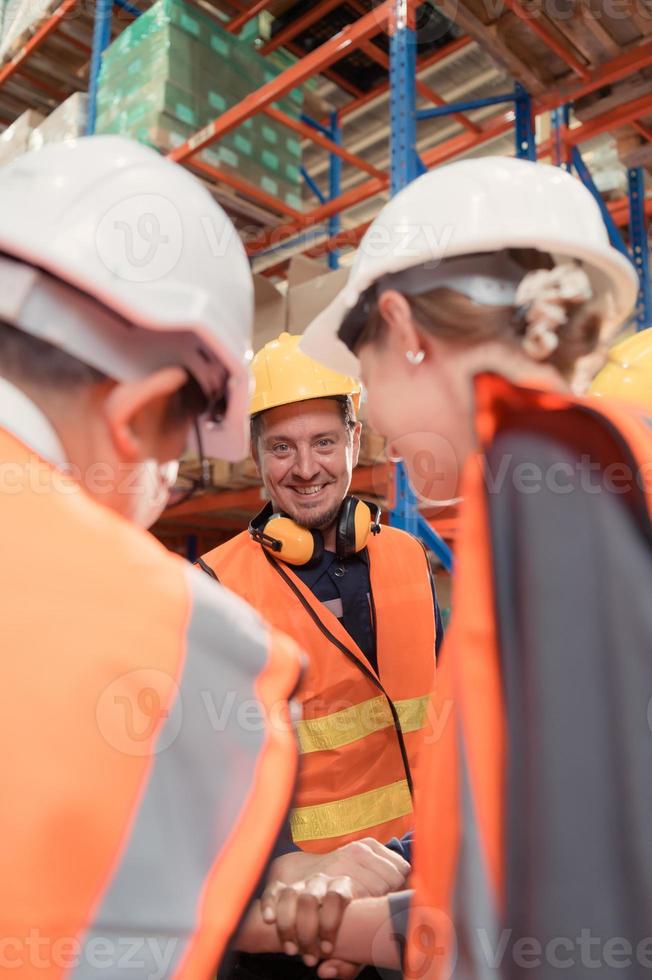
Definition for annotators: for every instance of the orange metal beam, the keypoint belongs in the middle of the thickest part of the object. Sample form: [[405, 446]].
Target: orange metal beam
[[356, 195], [244, 498], [381, 58], [75, 42], [619, 116], [632, 61], [531, 19], [237, 23], [617, 68], [301, 24], [50, 90], [349, 237], [433, 59], [620, 210], [366, 479], [313, 134], [430, 94], [465, 141], [36, 39], [323, 56], [643, 131], [249, 190], [333, 76]]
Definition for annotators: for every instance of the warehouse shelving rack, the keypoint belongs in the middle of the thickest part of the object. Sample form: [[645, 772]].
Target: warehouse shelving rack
[[288, 226]]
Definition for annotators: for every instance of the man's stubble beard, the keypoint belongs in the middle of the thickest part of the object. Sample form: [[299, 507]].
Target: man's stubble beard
[[318, 522]]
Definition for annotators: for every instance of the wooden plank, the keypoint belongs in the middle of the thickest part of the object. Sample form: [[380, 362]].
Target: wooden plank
[[489, 39], [589, 36], [640, 13]]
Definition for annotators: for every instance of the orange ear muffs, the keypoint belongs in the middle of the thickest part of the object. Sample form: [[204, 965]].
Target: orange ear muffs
[[292, 543], [286, 539], [357, 520]]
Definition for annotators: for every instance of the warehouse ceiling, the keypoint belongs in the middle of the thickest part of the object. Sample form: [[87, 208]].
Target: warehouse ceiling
[[483, 46]]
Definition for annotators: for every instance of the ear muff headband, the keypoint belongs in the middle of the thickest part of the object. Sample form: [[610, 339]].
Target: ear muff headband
[[298, 545]]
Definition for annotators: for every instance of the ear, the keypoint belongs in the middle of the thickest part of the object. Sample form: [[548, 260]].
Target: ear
[[355, 441], [403, 334], [131, 406]]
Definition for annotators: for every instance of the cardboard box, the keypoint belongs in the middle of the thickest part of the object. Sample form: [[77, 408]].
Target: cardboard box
[[15, 139], [310, 287], [66, 122]]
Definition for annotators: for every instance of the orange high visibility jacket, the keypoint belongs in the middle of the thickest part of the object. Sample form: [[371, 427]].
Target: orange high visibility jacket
[[147, 754], [532, 828], [359, 732]]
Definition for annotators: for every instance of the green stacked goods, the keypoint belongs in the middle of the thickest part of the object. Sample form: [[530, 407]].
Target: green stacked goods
[[173, 71]]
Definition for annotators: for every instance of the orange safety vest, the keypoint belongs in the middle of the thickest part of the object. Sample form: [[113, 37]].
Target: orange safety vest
[[463, 830], [148, 755], [355, 764]]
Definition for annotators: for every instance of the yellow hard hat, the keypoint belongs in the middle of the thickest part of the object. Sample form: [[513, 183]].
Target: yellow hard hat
[[283, 374], [627, 375]]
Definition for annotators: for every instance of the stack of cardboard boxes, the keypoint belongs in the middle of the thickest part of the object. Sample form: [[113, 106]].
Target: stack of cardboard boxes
[[173, 71]]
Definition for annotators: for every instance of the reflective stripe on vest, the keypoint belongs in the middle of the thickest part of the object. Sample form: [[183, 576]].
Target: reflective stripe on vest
[[460, 856], [136, 838], [350, 752], [350, 724]]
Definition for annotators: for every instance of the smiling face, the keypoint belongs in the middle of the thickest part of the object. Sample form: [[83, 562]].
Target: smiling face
[[305, 455]]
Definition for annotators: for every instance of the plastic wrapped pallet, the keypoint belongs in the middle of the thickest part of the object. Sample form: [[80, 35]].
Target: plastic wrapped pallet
[[16, 138], [19, 22], [173, 71], [67, 122]]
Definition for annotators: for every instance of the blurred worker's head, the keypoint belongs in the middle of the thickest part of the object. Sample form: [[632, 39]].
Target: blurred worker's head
[[122, 439], [126, 307], [493, 265], [305, 436]]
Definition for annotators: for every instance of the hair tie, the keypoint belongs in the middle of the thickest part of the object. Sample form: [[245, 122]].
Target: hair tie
[[541, 297]]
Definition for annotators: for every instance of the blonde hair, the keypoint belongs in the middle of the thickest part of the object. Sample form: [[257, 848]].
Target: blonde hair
[[454, 317]]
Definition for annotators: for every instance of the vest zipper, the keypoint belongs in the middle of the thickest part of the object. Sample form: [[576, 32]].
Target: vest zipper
[[351, 656]]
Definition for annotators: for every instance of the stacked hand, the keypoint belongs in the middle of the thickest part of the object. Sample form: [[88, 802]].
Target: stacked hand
[[307, 895]]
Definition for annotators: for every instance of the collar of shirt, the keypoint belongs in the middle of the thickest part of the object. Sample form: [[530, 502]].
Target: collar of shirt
[[311, 576], [20, 416]]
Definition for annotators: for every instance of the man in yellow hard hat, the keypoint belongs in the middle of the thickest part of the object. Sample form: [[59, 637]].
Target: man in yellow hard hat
[[627, 375], [357, 597]]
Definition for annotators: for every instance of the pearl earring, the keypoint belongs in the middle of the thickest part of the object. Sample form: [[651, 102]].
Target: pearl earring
[[415, 358]]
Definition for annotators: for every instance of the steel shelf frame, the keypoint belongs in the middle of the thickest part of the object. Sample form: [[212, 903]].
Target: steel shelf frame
[[396, 18], [405, 165], [356, 35]]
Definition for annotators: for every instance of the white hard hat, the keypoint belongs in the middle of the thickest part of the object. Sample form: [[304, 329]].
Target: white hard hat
[[474, 206], [141, 236]]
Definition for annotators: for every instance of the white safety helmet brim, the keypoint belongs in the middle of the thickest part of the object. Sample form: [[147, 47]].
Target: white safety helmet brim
[[68, 209]]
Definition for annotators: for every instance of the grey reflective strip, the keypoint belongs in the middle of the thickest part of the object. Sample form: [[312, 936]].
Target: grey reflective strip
[[196, 789], [478, 934]]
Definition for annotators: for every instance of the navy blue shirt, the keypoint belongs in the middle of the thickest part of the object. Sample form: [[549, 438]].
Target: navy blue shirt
[[343, 586]]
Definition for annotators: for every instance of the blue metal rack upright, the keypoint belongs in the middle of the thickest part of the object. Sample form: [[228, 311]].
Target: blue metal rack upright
[[405, 166], [638, 235], [101, 40], [334, 188]]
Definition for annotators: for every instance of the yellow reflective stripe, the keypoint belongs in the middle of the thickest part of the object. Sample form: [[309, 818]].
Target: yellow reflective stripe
[[346, 726], [412, 713], [352, 814], [343, 727]]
